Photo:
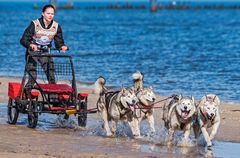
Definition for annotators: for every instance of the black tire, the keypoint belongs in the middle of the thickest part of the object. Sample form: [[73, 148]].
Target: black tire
[[32, 116], [82, 117], [13, 112], [32, 119], [66, 116]]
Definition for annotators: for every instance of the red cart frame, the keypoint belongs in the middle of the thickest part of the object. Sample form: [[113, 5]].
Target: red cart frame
[[59, 98]]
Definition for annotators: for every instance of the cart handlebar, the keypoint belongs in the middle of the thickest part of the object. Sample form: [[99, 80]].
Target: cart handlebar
[[50, 55], [46, 52], [47, 49]]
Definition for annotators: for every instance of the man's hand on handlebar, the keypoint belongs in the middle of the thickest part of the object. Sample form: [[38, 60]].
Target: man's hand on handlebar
[[63, 49], [38, 48], [34, 47]]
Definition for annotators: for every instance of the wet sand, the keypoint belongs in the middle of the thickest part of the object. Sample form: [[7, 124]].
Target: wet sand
[[49, 140]]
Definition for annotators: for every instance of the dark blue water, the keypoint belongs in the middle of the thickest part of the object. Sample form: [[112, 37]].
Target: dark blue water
[[193, 52]]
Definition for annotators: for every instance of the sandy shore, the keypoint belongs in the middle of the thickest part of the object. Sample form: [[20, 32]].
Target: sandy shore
[[20, 141]]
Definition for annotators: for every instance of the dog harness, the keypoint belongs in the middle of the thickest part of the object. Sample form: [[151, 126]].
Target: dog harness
[[204, 118], [42, 36], [142, 107], [110, 98]]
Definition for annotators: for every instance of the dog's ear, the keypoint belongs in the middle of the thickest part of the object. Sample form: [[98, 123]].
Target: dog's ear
[[202, 101], [192, 98], [180, 97], [216, 100], [119, 95], [206, 98], [124, 90]]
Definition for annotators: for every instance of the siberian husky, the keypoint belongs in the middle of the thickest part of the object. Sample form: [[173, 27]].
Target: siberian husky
[[207, 116], [177, 115], [146, 99], [116, 105]]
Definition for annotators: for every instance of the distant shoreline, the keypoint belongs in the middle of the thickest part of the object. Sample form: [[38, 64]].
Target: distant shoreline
[[161, 5]]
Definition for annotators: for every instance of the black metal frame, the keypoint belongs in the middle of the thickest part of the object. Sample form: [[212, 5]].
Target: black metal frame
[[45, 96], [28, 103]]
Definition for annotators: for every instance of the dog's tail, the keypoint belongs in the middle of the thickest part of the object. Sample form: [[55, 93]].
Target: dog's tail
[[99, 85], [137, 80]]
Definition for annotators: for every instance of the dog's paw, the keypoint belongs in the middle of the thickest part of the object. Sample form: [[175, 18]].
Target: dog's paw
[[209, 147], [109, 135], [209, 143], [153, 131], [151, 134], [137, 136], [211, 138], [209, 153], [169, 144]]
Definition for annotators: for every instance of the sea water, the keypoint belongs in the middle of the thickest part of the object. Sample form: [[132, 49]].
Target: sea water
[[189, 52]]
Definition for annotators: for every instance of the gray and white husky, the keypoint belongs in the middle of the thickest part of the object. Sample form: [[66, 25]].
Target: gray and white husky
[[116, 105], [207, 116], [178, 115], [146, 97]]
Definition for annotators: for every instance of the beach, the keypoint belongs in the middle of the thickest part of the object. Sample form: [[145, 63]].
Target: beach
[[21, 141], [192, 51]]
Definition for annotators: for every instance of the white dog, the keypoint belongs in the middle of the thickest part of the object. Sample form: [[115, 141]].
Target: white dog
[[177, 114], [207, 116], [116, 105], [146, 99]]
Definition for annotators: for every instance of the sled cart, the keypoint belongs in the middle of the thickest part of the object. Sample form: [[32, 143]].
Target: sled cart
[[60, 97]]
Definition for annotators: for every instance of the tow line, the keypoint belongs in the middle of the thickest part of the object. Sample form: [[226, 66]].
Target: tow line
[[156, 107]]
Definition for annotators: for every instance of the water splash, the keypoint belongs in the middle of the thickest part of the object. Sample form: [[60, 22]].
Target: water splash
[[65, 123]]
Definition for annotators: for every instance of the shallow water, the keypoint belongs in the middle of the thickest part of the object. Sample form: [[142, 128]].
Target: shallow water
[[193, 52], [147, 144]]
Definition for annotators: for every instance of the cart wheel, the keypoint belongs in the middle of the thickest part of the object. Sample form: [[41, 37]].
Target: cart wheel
[[66, 117], [32, 119], [13, 112], [82, 117], [32, 116]]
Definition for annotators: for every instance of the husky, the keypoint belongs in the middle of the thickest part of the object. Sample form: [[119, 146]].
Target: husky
[[116, 105], [207, 116], [146, 99], [177, 115]]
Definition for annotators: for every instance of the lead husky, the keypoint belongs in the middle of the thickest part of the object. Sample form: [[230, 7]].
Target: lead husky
[[115, 106], [178, 114], [207, 116], [146, 99]]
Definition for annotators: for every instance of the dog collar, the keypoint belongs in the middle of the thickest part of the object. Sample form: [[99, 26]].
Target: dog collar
[[145, 108], [204, 116]]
